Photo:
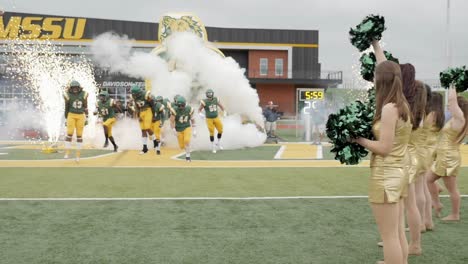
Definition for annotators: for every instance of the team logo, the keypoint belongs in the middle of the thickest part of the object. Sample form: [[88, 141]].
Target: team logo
[[180, 23]]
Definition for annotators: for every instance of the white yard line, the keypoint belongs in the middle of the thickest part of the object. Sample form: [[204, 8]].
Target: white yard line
[[319, 154], [193, 198], [280, 151]]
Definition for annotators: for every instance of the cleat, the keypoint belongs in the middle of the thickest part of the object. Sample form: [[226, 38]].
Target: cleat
[[188, 159], [116, 149], [66, 156], [77, 160], [213, 150], [220, 147], [144, 150], [158, 152], [106, 144]]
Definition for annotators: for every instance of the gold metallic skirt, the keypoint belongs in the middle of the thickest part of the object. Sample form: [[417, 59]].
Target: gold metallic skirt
[[392, 181], [447, 162]]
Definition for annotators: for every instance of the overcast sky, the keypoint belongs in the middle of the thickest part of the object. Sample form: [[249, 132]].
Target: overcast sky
[[416, 28]]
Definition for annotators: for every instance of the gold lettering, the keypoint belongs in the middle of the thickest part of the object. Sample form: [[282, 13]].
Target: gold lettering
[[33, 29], [49, 26], [11, 30], [70, 25]]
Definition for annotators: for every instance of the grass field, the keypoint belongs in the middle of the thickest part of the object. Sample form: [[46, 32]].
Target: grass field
[[307, 230]]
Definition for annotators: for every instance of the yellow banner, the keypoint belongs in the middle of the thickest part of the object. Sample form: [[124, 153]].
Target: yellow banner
[[36, 27]]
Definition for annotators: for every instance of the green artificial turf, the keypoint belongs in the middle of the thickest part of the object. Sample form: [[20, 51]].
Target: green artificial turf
[[202, 231], [36, 154], [257, 153], [265, 231]]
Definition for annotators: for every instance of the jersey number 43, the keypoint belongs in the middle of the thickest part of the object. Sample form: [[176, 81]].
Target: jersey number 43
[[77, 104]]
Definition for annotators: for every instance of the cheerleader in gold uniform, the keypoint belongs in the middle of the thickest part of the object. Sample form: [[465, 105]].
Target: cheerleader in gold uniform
[[433, 123], [417, 102], [448, 160], [389, 178]]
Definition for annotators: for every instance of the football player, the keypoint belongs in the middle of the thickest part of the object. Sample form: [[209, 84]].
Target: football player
[[105, 108], [182, 121], [76, 112], [210, 105], [143, 102], [158, 121]]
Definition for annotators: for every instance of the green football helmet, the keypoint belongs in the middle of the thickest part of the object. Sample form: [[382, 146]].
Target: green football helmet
[[180, 101], [136, 90], [209, 93], [159, 99], [103, 95], [175, 97], [75, 87]]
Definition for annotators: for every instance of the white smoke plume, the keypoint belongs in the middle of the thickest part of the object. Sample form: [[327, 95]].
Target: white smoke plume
[[197, 68], [46, 72]]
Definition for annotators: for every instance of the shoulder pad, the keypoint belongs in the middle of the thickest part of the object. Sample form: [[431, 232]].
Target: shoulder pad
[[148, 95]]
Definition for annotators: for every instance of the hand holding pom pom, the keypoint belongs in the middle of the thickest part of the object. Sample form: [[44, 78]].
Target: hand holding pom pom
[[368, 63], [369, 29], [456, 76], [352, 122]]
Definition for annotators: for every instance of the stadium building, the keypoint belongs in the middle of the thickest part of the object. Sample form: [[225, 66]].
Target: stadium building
[[276, 62]]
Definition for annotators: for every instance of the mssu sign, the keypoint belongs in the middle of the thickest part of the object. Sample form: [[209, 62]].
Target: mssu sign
[[37, 27]]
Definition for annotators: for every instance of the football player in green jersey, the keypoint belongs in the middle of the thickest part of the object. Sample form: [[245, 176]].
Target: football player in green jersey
[[105, 108], [76, 112], [143, 106], [158, 121], [182, 121], [210, 105]]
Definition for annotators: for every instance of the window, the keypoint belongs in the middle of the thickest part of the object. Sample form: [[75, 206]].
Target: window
[[279, 67], [263, 66]]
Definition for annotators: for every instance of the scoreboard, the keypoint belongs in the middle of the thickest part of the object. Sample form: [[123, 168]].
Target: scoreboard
[[307, 99], [311, 94]]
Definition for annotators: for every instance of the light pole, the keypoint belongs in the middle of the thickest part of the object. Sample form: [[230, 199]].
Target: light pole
[[447, 45]]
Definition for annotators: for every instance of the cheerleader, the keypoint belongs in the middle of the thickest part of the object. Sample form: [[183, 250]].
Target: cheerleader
[[389, 178], [416, 167], [448, 159], [433, 123]]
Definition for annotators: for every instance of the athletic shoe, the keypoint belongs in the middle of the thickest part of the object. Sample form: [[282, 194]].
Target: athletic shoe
[[144, 150]]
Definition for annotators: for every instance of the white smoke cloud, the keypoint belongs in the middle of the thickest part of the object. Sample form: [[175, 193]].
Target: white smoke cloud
[[46, 71], [223, 75], [197, 68]]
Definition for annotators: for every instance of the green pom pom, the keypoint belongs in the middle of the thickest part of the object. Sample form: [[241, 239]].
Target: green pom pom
[[457, 76], [352, 121], [370, 28], [368, 63]]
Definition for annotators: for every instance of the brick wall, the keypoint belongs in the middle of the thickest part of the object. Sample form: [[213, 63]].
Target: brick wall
[[271, 55], [283, 95]]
